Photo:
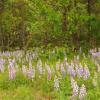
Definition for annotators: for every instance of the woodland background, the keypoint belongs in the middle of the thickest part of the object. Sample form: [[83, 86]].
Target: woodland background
[[26, 24]]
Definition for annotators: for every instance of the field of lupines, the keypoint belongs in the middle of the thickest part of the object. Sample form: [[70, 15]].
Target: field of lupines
[[50, 75]]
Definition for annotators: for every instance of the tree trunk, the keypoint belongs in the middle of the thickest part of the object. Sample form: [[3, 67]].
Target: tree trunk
[[64, 19]]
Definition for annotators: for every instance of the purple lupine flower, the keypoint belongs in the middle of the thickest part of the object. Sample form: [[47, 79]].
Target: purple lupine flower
[[49, 73], [71, 71], [2, 62], [86, 73], [56, 83], [97, 54], [63, 72], [12, 71], [75, 88], [79, 70], [83, 92]]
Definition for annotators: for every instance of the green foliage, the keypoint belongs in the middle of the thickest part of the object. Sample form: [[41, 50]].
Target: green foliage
[[28, 23]]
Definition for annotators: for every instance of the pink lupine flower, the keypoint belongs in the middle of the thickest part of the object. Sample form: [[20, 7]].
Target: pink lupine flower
[[12, 71], [74, 87], [86, 73], [83, 92], [49, 75], [48, 69]]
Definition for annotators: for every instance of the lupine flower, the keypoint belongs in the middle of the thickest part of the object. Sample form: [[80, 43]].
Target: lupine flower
[[12, 71], [63, 70], [97, 54], [80, 71], [2, 65], [86, 73], [74, 87], [49, 73], [56, 83], [83, 92], [71, 71]]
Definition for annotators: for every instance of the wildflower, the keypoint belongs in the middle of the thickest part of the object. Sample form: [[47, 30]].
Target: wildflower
[[12, 71], [71, 71], [2, 62], [74, 87], [80, 71], [63, 70], [86, 73], [83, 92], [49, 73]]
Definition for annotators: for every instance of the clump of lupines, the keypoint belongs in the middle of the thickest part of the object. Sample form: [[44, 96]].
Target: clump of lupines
[[83, 92], [28, 72]]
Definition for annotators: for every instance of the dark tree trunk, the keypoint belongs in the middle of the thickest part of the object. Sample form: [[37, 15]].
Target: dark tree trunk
[[89, 13], [64, 19]]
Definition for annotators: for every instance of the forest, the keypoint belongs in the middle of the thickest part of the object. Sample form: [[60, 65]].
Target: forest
[[49, 49], [41, 23]]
